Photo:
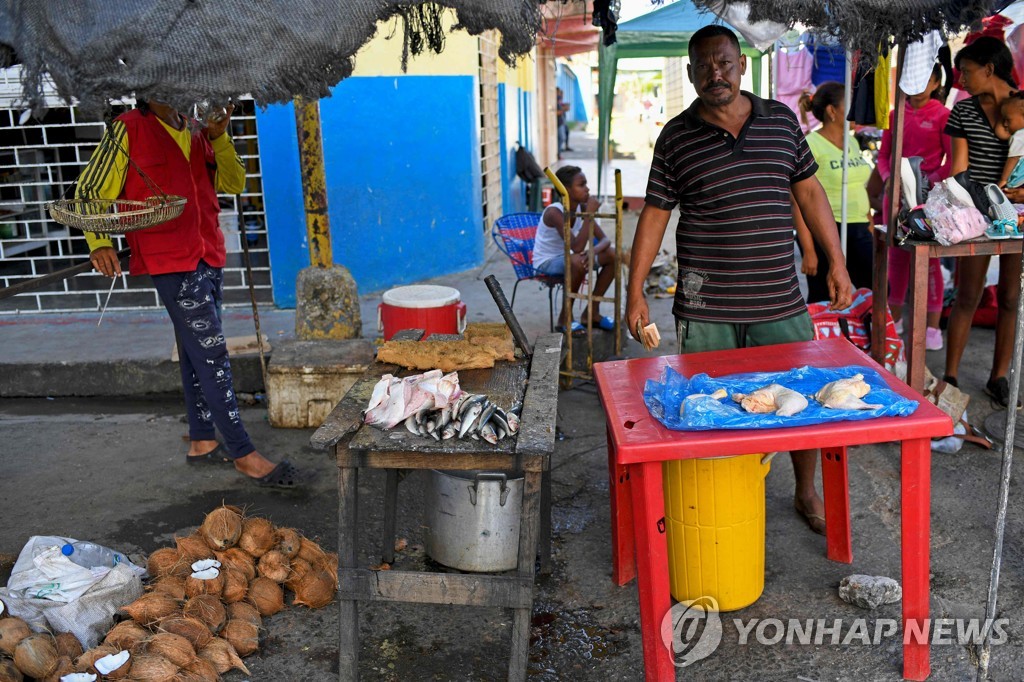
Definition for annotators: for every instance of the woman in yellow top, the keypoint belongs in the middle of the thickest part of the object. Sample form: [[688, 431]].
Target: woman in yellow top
[[826, 144]]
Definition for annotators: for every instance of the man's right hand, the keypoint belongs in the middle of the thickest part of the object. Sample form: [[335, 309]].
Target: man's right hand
[[104, 260], [637, 311]]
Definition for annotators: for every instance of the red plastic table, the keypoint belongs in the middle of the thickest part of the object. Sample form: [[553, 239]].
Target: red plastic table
[[638, 444]]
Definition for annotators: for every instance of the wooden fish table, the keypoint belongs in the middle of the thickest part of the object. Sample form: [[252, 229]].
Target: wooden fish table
[[357, 447]]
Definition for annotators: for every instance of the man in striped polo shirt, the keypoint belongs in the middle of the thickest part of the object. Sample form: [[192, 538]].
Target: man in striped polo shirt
[[735, 164]]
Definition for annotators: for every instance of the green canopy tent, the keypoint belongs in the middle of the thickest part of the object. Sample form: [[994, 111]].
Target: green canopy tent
[[665, 32]]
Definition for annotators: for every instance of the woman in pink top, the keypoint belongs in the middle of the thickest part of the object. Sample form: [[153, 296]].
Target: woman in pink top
[[923, 135]]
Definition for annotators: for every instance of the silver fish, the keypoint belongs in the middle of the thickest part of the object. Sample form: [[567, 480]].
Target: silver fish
[[449, 431], [435, 435], [488, 434], [469, 419], [410, 425], [500, 430], [488, 410], [457, 423], [431, 426], [500, 418], [446, 416], [470, 402], [513, 423]]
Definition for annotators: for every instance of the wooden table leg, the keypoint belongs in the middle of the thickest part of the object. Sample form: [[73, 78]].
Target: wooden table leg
[[545, 523], [529, 527], [623, 564], [915, 317], [915, 512], [390, 516], [836, 483], [348, 609], [880, 287], [652, 568]]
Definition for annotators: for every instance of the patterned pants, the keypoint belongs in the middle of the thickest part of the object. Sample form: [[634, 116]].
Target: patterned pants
[[193, 301]]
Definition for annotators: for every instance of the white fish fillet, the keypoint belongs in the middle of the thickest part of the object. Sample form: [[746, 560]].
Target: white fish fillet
[[772, 398], [394, 400]]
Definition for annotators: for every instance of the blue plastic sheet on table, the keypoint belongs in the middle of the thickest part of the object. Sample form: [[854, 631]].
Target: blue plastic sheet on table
[[664, 397]]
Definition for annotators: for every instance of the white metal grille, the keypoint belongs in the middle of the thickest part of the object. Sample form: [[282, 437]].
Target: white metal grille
[[40, 158], [490, 147]]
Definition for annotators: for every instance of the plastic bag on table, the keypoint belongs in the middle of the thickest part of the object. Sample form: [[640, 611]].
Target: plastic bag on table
[[951, 220], [47, 590], [666, 396]]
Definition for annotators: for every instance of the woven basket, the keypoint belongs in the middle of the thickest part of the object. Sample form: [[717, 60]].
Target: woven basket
[[115, 216]]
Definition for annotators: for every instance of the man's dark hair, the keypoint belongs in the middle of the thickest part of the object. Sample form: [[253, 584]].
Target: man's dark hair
[[712, 31]]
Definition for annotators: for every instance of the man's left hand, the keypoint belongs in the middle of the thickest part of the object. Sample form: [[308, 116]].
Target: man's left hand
[[840, 289], [215, 129]]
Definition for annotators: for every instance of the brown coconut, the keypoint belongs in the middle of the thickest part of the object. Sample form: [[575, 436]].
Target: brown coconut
[[274, 565], [64, 666], [199, 670], [309, 551], [152, 668], [257, 536], [192, 548], [236, 586], [194, 630], [300, 567], [316, 589], [170, 584], [12, 631], [195, 586], [240, 560], [36, 655], [9, 672], [246, 612], [222, 656], [167, 561], [84, 663], [243, 635], [68, 645], [151, 607], [208, 609], [266, 595], [221, 528], [175, 648], [289, 542], [126, 634]]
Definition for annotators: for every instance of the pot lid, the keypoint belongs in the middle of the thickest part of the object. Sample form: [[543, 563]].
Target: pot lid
[[421, 296]]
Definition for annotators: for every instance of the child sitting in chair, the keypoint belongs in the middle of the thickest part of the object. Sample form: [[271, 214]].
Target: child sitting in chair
[[549, 249]]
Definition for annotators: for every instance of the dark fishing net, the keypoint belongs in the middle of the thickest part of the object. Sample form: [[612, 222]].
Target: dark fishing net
[[185, 51], [867, 24]]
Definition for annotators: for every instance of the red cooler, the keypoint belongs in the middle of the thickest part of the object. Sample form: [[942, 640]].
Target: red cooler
[[435, 309]]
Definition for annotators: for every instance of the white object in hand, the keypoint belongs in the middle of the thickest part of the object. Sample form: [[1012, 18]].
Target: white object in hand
[[775, 398], [845, 394]]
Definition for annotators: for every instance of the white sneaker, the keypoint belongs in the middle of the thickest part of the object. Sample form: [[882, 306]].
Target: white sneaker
[[933, 339]]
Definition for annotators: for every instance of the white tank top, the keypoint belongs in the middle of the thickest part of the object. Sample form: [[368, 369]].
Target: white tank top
[[548, 243]]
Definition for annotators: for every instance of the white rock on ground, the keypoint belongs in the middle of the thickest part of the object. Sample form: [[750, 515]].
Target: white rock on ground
[[869, 591]]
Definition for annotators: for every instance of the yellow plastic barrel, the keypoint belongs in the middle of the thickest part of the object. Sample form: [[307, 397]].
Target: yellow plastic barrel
[[714, 515]]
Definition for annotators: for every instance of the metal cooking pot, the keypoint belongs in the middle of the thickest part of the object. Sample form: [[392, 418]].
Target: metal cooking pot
[[472, 519]]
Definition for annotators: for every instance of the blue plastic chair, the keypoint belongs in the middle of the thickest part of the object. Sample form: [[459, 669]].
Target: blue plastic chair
[[514, 234]]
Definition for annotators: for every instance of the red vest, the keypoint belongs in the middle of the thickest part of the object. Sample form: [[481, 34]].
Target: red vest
[[177, 245]]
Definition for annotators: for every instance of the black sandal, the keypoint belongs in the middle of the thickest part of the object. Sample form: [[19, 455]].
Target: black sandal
[[285, 475], [216, 456]]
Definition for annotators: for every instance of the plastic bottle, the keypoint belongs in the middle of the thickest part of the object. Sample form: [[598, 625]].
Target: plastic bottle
[[90, 555]]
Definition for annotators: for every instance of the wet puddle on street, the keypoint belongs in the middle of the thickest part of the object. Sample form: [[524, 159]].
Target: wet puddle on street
[[560, 638]]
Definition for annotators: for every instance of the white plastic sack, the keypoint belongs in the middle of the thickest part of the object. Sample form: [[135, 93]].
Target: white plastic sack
[[951, 444], [48, 590]]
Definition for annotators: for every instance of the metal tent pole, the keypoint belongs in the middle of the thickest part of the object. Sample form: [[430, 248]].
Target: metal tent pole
[[1004, 486], [847, 100]]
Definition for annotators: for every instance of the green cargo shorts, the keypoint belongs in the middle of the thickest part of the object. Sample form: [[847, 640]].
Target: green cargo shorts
[[697, 337]]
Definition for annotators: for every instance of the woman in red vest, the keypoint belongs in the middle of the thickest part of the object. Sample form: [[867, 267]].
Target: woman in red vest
[[184, 257]]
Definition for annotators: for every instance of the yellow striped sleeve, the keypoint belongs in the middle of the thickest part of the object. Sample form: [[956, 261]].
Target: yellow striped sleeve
[[230, 169], [104, 176]]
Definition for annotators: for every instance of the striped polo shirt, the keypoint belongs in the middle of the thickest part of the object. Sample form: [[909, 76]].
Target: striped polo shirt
[[986, 153], [734, 239]]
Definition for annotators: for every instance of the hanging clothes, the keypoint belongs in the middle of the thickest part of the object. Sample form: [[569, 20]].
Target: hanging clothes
[[793, 77], [919, 62], [882, 90], [862, 106], [829, 62]]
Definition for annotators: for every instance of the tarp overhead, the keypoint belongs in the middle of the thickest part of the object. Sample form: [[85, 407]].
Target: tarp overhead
[[665, 32]]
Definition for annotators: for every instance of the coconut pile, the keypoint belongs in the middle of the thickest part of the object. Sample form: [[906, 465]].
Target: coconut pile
[[201, 614]]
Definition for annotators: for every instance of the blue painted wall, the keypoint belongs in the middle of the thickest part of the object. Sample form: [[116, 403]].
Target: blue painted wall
[[402, 157]]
